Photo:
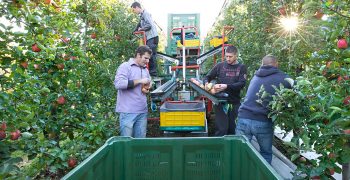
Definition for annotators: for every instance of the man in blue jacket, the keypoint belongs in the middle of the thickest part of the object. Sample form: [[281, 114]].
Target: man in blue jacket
[[253, 117], [132, 81], [146, 24]]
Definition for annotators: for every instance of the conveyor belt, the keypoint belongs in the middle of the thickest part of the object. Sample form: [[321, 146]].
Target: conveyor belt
[[215, 99], [164, 91]]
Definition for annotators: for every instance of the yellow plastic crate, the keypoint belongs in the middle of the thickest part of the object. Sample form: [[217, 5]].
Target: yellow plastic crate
[[182, 119], [189, 43], [182, 116], [217, 41]]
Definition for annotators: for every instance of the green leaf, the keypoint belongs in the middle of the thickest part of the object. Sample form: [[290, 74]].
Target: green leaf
[[291, 144], [27, 134], [294, 157], [336, 109]]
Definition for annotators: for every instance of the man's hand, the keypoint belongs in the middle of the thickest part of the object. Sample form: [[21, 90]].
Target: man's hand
[[220, 87], [145, 81], [206, 86], [145, 88], [142, 81]]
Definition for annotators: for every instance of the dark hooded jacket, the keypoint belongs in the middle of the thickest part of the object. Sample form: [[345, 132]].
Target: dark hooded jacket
[[267, 76]]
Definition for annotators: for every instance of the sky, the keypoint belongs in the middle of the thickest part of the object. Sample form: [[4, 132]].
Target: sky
[[208, 10]]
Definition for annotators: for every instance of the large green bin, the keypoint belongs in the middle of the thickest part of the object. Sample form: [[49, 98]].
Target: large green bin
[[199, 158]]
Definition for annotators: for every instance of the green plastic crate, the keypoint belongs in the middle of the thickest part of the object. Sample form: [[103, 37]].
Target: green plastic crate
[[213, 158]]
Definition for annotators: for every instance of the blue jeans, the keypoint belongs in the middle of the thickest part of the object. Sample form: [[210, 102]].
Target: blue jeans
[[263, 132], [133, 124]]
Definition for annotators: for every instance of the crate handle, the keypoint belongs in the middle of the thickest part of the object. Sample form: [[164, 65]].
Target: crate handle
[[186, 109]]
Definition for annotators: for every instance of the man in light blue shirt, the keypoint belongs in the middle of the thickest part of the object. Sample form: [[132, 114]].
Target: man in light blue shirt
[[147, 24]]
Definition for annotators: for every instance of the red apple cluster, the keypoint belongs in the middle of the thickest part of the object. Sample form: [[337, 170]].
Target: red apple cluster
[[13, 135]]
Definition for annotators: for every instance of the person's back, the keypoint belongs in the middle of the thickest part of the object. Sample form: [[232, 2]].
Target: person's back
[[253, 116], [269, 77]]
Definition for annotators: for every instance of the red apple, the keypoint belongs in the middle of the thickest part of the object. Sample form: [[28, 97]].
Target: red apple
[[3, 126], [47, 1], [346, 131], [73, 58], [93, 36], [342, 44], [15, 135], [2, 135], [318, 14], [325, 121], [61, 100], [35, 48], [282, 11], [331, 155], [346, 101], [329, 146], [65, 56], [315, 177], [65, 40], [328, 64], [72, 162], [302, 159], [24, 64], [331, 171], [60, 66], [36, 66], [118, 38], [342, 78]]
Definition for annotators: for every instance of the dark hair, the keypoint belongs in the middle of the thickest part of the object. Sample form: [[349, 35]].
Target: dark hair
[[231, 49], [143, 50], [135, 4]]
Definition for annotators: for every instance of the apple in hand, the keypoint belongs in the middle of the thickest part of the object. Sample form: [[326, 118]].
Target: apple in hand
[[145, 88]]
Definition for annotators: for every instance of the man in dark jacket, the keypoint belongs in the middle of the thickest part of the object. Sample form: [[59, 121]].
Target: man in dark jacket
[[253, 117], [146, 24], [231, 78]]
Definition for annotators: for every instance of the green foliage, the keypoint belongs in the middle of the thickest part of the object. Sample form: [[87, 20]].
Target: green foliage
[[71, 64], [316, 110]]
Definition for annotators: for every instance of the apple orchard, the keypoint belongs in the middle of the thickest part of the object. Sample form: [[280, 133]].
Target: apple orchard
[[58, 61]]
